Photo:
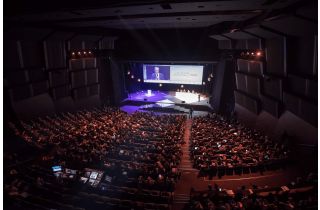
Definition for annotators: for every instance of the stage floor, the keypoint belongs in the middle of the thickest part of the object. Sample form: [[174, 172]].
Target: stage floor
[[169, 102]]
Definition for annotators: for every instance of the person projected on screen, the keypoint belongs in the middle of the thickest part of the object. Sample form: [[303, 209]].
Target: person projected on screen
[[157, 75]]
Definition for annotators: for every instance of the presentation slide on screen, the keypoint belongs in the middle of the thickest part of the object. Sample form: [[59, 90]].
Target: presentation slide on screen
[[175, 74]]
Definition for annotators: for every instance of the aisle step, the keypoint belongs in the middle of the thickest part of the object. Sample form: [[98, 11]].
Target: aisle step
[[185, 166], [188, 169]]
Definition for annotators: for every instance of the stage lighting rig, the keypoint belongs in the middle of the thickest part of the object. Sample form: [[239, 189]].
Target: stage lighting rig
[[255, 54], [88, 53]]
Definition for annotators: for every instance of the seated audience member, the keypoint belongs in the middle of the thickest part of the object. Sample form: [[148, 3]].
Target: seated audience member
[[218, 146]]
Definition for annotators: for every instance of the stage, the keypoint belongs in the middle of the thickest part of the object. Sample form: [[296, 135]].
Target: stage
[[167, 102]]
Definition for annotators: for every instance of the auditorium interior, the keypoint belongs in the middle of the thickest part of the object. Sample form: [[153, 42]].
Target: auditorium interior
[[160, 105]]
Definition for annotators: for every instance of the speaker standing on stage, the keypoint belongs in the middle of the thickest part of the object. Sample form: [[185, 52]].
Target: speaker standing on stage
[[157, 75]]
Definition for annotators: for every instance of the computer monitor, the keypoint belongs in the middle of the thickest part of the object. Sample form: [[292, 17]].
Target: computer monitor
[[94, 175], [56, 168]]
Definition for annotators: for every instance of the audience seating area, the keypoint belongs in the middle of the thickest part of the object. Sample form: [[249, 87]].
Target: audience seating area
[[138, 155], [107, 159], [220, 148], [299, 194]]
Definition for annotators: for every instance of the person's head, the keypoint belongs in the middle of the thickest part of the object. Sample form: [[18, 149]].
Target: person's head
[[156, 69]]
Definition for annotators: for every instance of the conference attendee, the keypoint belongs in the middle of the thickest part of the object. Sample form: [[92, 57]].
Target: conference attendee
[[190, 112], [157, 75]]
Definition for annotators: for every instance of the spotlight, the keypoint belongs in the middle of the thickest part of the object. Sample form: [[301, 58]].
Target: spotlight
[[73, 53], [209, 79], [252, 53], [259, 54], [160, 85], [79, 53], [89, 52], [132, 76], [128, 72], [181, 86], [211, 75], [203, 83], [139, 80], [84, 52], [248, 53]]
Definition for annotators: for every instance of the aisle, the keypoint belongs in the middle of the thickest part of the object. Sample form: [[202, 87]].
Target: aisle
[[186, 164], [188, 173]]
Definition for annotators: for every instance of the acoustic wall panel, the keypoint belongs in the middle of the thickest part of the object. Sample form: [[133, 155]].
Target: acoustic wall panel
[[270, 105], [78, 79], [273, 87], [297, 85], [241, 44], [58, 77], [94, 89], [20, 92], [253, 86], [309, 112], [252, 104], [243, 65], [55, 54], [225, 44], [241, 82], [80, 93], [32, 54], [39, 88], [291, 102], [239, 98], [275, 55], [36, 75], [256, 68], [108, 42], [60, 92], [312, 90], [248, 102], [76, 64], [90, 63], [11, 56], [301, 52], [17, 78], [92, 76]]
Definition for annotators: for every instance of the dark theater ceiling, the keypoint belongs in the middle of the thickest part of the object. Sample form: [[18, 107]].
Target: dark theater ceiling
[[142, 14]]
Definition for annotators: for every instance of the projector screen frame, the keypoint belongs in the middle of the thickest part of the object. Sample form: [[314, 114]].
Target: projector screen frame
[[166, 74]]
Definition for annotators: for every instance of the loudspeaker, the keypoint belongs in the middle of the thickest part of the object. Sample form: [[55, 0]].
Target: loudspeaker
[[183, 102]]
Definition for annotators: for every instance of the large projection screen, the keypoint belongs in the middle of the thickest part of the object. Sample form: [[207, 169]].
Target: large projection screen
[[174, 74]]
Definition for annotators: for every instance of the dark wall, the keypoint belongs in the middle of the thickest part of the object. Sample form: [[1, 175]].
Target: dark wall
[[39, 77], [117, 73], [279, 91], [167, 44]]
